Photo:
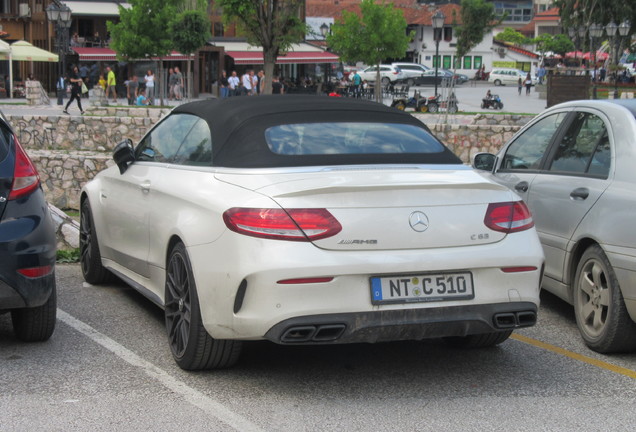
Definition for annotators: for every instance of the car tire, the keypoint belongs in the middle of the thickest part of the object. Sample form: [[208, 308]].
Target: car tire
[[36, 324], [410, 82], [433, 108], [400, 105], [497, 82], [482, 340], [90, 258], [600, 311], [385, 81], [422, 108], [191, 345]]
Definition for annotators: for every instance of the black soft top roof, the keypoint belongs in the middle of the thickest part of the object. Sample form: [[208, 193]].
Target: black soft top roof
[[238, 127]]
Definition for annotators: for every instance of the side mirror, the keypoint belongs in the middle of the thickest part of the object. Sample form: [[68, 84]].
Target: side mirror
[[485, 161], [123, 155]]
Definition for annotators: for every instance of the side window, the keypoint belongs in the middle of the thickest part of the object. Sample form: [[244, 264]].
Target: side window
[[196, 148], [584, 148], [163, 142], [526, 152]]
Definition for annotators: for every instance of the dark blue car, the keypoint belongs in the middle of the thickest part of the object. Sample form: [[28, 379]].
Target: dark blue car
[[27, 244]]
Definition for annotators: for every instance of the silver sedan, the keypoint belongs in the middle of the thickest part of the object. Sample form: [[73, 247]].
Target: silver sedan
[[575, 167]]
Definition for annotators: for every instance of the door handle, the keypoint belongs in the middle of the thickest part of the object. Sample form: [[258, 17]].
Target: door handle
[[145, 187], [522, 186], [580, 193]]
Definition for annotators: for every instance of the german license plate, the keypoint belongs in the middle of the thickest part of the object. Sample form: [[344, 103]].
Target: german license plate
[[422, 288]]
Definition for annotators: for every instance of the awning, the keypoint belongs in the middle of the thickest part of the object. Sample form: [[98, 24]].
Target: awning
[[24, 51], [107, 54], [86, 8], [297, 57], [302, 53]]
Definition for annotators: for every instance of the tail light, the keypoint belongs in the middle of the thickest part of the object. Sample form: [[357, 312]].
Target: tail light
[[25, 176], [508, 217], [278, 224], [36, 272]]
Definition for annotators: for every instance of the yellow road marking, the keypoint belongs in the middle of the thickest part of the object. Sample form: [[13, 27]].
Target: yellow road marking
[[580, 357]]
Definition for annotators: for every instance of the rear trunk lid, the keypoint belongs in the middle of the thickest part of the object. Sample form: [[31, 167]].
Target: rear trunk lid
[[389, 208]]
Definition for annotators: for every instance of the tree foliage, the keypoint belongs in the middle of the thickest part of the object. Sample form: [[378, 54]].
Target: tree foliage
[[378, 33], [511, 35], [190, 30], [143, 29], [559, 44], [272, 24], [575, 13], [477, 19]]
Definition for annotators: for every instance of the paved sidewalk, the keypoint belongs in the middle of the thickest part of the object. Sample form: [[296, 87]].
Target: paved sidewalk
[[469, 97]]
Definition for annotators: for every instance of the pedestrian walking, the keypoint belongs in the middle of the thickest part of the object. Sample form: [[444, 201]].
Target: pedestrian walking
[[170, 84], [246, 80], [76, 90], [178, 84], [519, 85], [233, 82], [528, 83], [132, 89], [225, 85], [111, 84], [150, 87]]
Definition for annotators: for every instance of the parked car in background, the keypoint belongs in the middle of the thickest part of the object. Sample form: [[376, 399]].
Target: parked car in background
[[411, 71], [307, 220], [507, 76], [27, 244], [574, 166], [388, 74], [428, 77]]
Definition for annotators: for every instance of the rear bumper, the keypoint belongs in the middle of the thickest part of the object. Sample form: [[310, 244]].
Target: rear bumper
[[27, 240], [409, 324]]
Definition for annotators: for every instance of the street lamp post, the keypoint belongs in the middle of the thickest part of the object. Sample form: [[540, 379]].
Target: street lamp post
[[60, 14], [623, 30], [438, 22], [596, 31]]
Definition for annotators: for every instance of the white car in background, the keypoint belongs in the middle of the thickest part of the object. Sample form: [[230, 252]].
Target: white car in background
[[308, 220], [388, 74], [506, 76]]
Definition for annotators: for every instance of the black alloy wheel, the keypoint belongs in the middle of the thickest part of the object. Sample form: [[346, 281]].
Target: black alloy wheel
[[191, 345], [90, 258]]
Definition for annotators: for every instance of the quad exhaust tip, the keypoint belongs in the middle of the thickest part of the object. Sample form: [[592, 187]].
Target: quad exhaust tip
[[313, 333], [510, 320]]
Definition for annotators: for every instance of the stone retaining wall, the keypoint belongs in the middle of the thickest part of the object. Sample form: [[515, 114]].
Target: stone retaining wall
[[68, 151]]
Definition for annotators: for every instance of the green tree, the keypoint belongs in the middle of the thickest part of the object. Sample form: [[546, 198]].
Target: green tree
[[583, 13], [559, 44], [142, 31], [378, 33], [190, 29], [272, 24], [477, 18], [511, 35]]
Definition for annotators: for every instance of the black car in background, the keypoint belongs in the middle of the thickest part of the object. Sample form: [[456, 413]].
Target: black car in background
[[27, 244]]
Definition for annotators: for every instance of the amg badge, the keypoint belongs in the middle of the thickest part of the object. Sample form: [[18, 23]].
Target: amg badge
[[360, 242]]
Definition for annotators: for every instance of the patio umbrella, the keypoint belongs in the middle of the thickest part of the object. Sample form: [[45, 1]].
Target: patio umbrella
[[599, 55], [574, 54], [24, 51], [5, 49]]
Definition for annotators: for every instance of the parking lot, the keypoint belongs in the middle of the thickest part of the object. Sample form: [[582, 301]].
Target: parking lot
[[108, 367]]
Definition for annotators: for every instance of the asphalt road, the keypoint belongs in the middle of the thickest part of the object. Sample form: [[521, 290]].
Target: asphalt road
[[108, 368]]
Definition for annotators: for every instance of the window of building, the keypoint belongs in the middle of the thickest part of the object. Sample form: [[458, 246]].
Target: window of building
[[477, 62], [514, 11], [468, 62], [448, 34], [446, 62]]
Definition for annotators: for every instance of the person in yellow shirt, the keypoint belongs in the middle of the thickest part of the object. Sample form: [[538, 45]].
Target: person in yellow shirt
[[102, 82], [111, 84]]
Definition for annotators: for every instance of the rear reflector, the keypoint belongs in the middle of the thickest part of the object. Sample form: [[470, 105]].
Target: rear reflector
[[305, 280], [36, 272], [25, 176], [519, 269], [278, 224], [508, 217]]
